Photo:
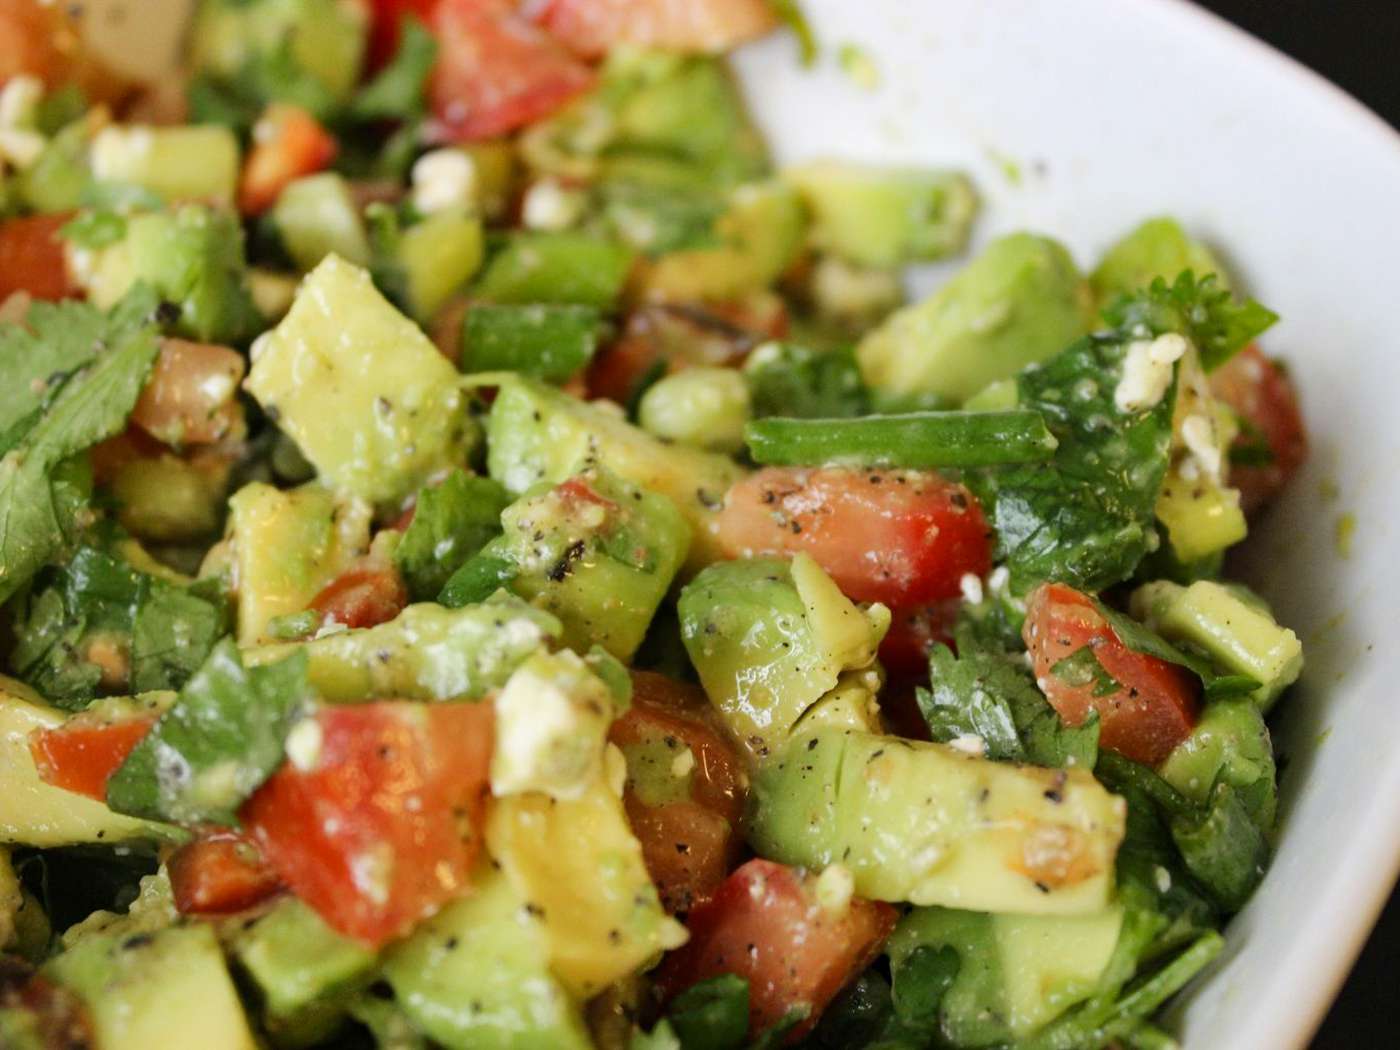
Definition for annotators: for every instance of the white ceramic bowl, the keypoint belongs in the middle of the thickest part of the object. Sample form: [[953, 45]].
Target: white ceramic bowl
[[1111, 111]]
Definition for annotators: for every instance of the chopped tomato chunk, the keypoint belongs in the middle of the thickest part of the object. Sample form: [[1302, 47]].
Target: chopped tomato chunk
[[593, 27], [32, 258], [362, 598], [765, 924], [191, 397], [905, 538], [388, 17], [83, 753], [1154, 704], [382, 826], [288, 142], [218, 873], [684, 794], [1271, 421], [496, 71]]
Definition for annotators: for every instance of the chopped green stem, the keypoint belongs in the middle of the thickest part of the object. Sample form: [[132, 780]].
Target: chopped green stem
[[915, 439], [477, 580]]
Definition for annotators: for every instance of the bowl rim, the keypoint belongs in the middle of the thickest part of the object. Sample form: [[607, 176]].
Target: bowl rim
[[1366, 875]]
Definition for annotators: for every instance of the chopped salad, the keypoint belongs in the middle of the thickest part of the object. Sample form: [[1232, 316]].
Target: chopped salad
[[492, 559]]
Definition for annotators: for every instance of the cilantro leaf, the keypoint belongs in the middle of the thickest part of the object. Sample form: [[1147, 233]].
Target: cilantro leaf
[[984, 693], [788, 380], [223, 737], [1203, 311], [452, 522], [91, 405], [712, 1015], [1142, 639], [397, 91]]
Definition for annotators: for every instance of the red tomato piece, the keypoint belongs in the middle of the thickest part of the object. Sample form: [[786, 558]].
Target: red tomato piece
[[288, 142], [383, 827], [218, 873], [362, 598], [765, 924], [83, 753], [191, 397], [496, 71], [32, 258], [901, 537], [688, 842], [593, 27], [1155, 704], [1266, 401], [388, 16]]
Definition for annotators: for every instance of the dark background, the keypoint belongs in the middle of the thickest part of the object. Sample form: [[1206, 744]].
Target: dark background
[[1356, 44]]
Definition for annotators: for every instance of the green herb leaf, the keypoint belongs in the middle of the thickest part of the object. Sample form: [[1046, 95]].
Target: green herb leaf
[[451, 523], [224, 737], [925, 975], [397, 91], [787, 380], [1201, 310], [94, 228], [712, 1015], [1141, 639]]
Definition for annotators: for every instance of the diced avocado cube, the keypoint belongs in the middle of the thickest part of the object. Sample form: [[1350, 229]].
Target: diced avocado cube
[[193, 162], [999, 396], [556, 268], [476, 976], [323, 38], [537, 433], [194, 258], [1230, 743], [928, 824], [287, 545], [365, 394], [34, 813], [769, 638], [1240, 636], [1019, 302], [425, 653], [58, 178], [760, 233], [546, 340], [578, 863], [1201, 517], [296, 959], [168, 499], [1051, 962], [700, 407], [597, 552], [885, 217], [552, 720], [316, 216], [438, 256], [853, 703], [1157, 248], [166, 988]]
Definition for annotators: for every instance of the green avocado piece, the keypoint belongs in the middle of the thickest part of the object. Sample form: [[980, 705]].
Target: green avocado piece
[[296, 959], [929, 824], [1157, 248], [316, 216], [169, 987], [1229, 743], [601, 562], [476, 977], [769, 638], [437, 257], [537, 433], [885, 217], [365, 394], [1019, 302], [191, 162], [556, 268]]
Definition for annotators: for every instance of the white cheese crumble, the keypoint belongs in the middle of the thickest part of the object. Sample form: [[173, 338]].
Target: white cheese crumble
[[19, 101], [969, 744], [1163, 878], [971, 586], [836, 887], [115, 148], [1198, 435], [550, 206], [545, 738], [1147, 371], [20, 146], [683, 764], [443, 179], [304, 744]]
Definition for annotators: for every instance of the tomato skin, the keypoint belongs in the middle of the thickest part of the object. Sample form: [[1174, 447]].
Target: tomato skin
[[191, 397], [688, 844], [383, 829], [496, 71], [593, 27], [81, 755], [1264, 398], [387, 17], [288, 142], [905, 538], [218, 873], [1156, 705], [764, 924], [362, 598], [32, 258]]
